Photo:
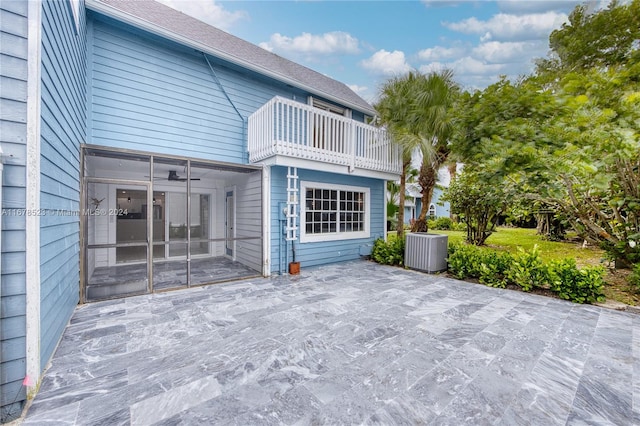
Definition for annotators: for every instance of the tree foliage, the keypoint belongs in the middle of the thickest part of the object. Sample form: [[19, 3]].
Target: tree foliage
[[569, 134], [478, 203], [595, 40]]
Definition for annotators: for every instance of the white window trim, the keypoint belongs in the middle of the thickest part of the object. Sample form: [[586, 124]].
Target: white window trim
[[326, 106], [334, 236]]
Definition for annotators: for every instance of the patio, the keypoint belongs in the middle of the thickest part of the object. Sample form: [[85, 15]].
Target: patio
[[349, 343]]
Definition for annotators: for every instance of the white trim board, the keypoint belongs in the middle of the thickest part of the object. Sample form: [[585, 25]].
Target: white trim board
[[32, 228]]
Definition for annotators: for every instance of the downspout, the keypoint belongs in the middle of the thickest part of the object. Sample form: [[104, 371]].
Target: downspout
[[244, 119], [282, 241], [280, 247]]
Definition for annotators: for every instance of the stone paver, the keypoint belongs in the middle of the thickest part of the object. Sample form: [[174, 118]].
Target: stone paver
[[351, 343]]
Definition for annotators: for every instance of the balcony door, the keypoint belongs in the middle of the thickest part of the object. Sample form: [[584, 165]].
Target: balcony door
[[328, 132]]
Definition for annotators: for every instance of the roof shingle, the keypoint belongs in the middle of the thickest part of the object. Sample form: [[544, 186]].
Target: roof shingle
[[232, 48]]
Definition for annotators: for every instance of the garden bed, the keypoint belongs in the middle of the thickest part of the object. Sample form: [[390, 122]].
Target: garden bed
[[616, 285]]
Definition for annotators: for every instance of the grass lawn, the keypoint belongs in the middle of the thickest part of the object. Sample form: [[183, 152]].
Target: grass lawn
[[509, 239]]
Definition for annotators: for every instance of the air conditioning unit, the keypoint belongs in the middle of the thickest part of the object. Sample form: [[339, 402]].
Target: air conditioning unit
[[426, 252]]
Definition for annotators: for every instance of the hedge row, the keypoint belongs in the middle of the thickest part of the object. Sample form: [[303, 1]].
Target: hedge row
[[528, 271]]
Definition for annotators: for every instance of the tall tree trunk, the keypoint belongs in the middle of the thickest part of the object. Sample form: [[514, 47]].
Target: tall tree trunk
[[401, 197], [452, 168], [427, 181]]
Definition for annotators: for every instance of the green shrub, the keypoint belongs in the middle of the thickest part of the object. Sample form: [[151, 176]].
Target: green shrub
[[390, 252], [578, 285], [527, 270], [469, 261], [494, 267], [634, 278], [443, 224], [464, 261], [446, 224], [460, 226]]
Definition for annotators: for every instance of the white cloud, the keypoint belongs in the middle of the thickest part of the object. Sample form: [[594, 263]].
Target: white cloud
[[506, 44], [438, 53], [486, 37], [511, 27], [433, 67], [499, 52], [469, 65], [360, 90], [387, 63], [470, 72], [518, 7], [335, 42], [207, 11]]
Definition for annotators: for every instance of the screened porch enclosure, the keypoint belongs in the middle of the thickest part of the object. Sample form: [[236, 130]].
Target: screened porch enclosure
[[153, 222]]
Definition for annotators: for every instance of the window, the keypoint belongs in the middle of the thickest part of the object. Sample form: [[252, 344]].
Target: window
[[432, 210], [317, 103], [333, 212]]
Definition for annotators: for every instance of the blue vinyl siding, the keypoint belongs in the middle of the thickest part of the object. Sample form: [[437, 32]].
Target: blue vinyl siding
[[407, 215], [149, 94], [13, 137], [62, 132], [441, 210], [320, 253]]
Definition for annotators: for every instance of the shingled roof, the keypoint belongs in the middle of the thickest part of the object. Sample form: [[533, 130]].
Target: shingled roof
[[163, 20]]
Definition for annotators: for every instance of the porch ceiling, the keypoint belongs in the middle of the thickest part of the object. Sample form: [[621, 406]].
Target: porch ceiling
[[134, 165]]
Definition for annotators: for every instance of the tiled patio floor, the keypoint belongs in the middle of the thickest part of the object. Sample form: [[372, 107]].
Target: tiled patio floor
[[349, 343]]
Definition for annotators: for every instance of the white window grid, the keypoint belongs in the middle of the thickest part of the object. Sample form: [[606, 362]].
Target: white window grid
[[360, 200]]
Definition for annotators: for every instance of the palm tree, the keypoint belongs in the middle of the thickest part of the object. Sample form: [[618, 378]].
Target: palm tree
[[415, 108], [394, 108], [432, 121]]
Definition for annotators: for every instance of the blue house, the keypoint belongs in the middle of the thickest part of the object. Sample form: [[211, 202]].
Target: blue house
[[413, 206], [143, 150]]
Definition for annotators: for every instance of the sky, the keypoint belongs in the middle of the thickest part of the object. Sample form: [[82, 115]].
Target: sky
[[364, 43]]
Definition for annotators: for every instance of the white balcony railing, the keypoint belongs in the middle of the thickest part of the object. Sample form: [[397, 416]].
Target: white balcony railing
[[283, 127]]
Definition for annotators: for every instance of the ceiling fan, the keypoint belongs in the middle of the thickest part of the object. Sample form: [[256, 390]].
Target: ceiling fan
[[173, 175]]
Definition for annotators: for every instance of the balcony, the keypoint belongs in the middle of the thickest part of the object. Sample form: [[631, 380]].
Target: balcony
[[286, 132]]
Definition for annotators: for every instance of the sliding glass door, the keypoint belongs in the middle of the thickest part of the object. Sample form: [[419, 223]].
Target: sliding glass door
[[115, 228]]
